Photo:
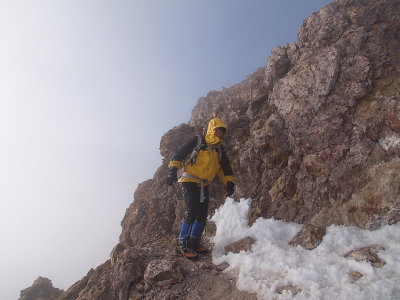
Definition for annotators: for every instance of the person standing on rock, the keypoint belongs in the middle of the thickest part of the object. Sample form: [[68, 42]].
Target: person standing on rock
[[202, 158]]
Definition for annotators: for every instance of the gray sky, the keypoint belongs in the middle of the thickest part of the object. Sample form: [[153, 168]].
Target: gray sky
[[87, 88]]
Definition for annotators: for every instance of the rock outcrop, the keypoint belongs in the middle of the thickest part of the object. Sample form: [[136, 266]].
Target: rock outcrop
[[309, 236], [241, 245], [155, 270], [369, 254], [41, 289], [314, 137]]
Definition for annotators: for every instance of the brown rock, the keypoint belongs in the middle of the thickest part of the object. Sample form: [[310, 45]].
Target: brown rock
[[278, 66], [288, 288], [162, 272], [243, 244], [355, 275], [210, 229], [206, 266], [222, 266], [41, 289], [115, 253], [109, 282], [309, 236], [369, 254]]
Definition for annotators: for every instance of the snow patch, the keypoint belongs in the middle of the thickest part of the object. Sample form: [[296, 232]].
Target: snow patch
[[322, 273]]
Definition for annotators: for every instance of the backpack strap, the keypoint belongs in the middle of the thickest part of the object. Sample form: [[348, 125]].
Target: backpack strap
[[196, 150], [219, 150]]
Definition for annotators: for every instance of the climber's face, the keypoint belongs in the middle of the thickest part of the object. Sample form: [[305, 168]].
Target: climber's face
[[220, 132]]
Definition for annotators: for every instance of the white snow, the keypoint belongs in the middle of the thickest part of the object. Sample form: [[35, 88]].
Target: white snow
[[321, 273]]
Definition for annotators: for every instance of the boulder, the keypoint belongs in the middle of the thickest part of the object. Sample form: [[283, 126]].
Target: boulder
[[355, 275], [241, 245], [162, 272], [288, 288], [41, 289], [368, 254], [309, 236]]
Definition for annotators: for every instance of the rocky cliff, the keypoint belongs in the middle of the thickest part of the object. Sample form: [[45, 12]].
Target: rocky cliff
[[41, 289], [313, 136]]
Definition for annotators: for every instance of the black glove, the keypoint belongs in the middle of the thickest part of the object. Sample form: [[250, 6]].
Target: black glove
[[230, 188], [172, 177]]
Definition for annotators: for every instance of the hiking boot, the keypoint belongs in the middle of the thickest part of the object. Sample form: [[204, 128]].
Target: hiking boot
[[187, 251], [197, 246]]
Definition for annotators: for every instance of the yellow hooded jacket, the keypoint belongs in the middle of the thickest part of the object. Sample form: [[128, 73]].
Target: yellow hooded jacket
[[208, 163]]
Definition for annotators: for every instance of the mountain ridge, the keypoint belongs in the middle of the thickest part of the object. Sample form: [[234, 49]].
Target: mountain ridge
[[313, 137]]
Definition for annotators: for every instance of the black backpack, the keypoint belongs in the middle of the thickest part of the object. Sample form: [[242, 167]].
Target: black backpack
[[199, 145]]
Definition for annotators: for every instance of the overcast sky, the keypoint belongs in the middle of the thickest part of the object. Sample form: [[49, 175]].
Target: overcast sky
[[87, 89]]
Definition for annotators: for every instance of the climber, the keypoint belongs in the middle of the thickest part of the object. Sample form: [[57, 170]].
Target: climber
[[202, 158]]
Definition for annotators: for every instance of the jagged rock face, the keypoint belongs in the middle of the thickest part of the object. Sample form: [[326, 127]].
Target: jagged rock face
[[313, 137], [316, 137], [111, 280], [41, 289]]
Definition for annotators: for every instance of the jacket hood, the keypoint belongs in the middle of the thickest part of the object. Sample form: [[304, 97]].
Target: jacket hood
[[210, 136]]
